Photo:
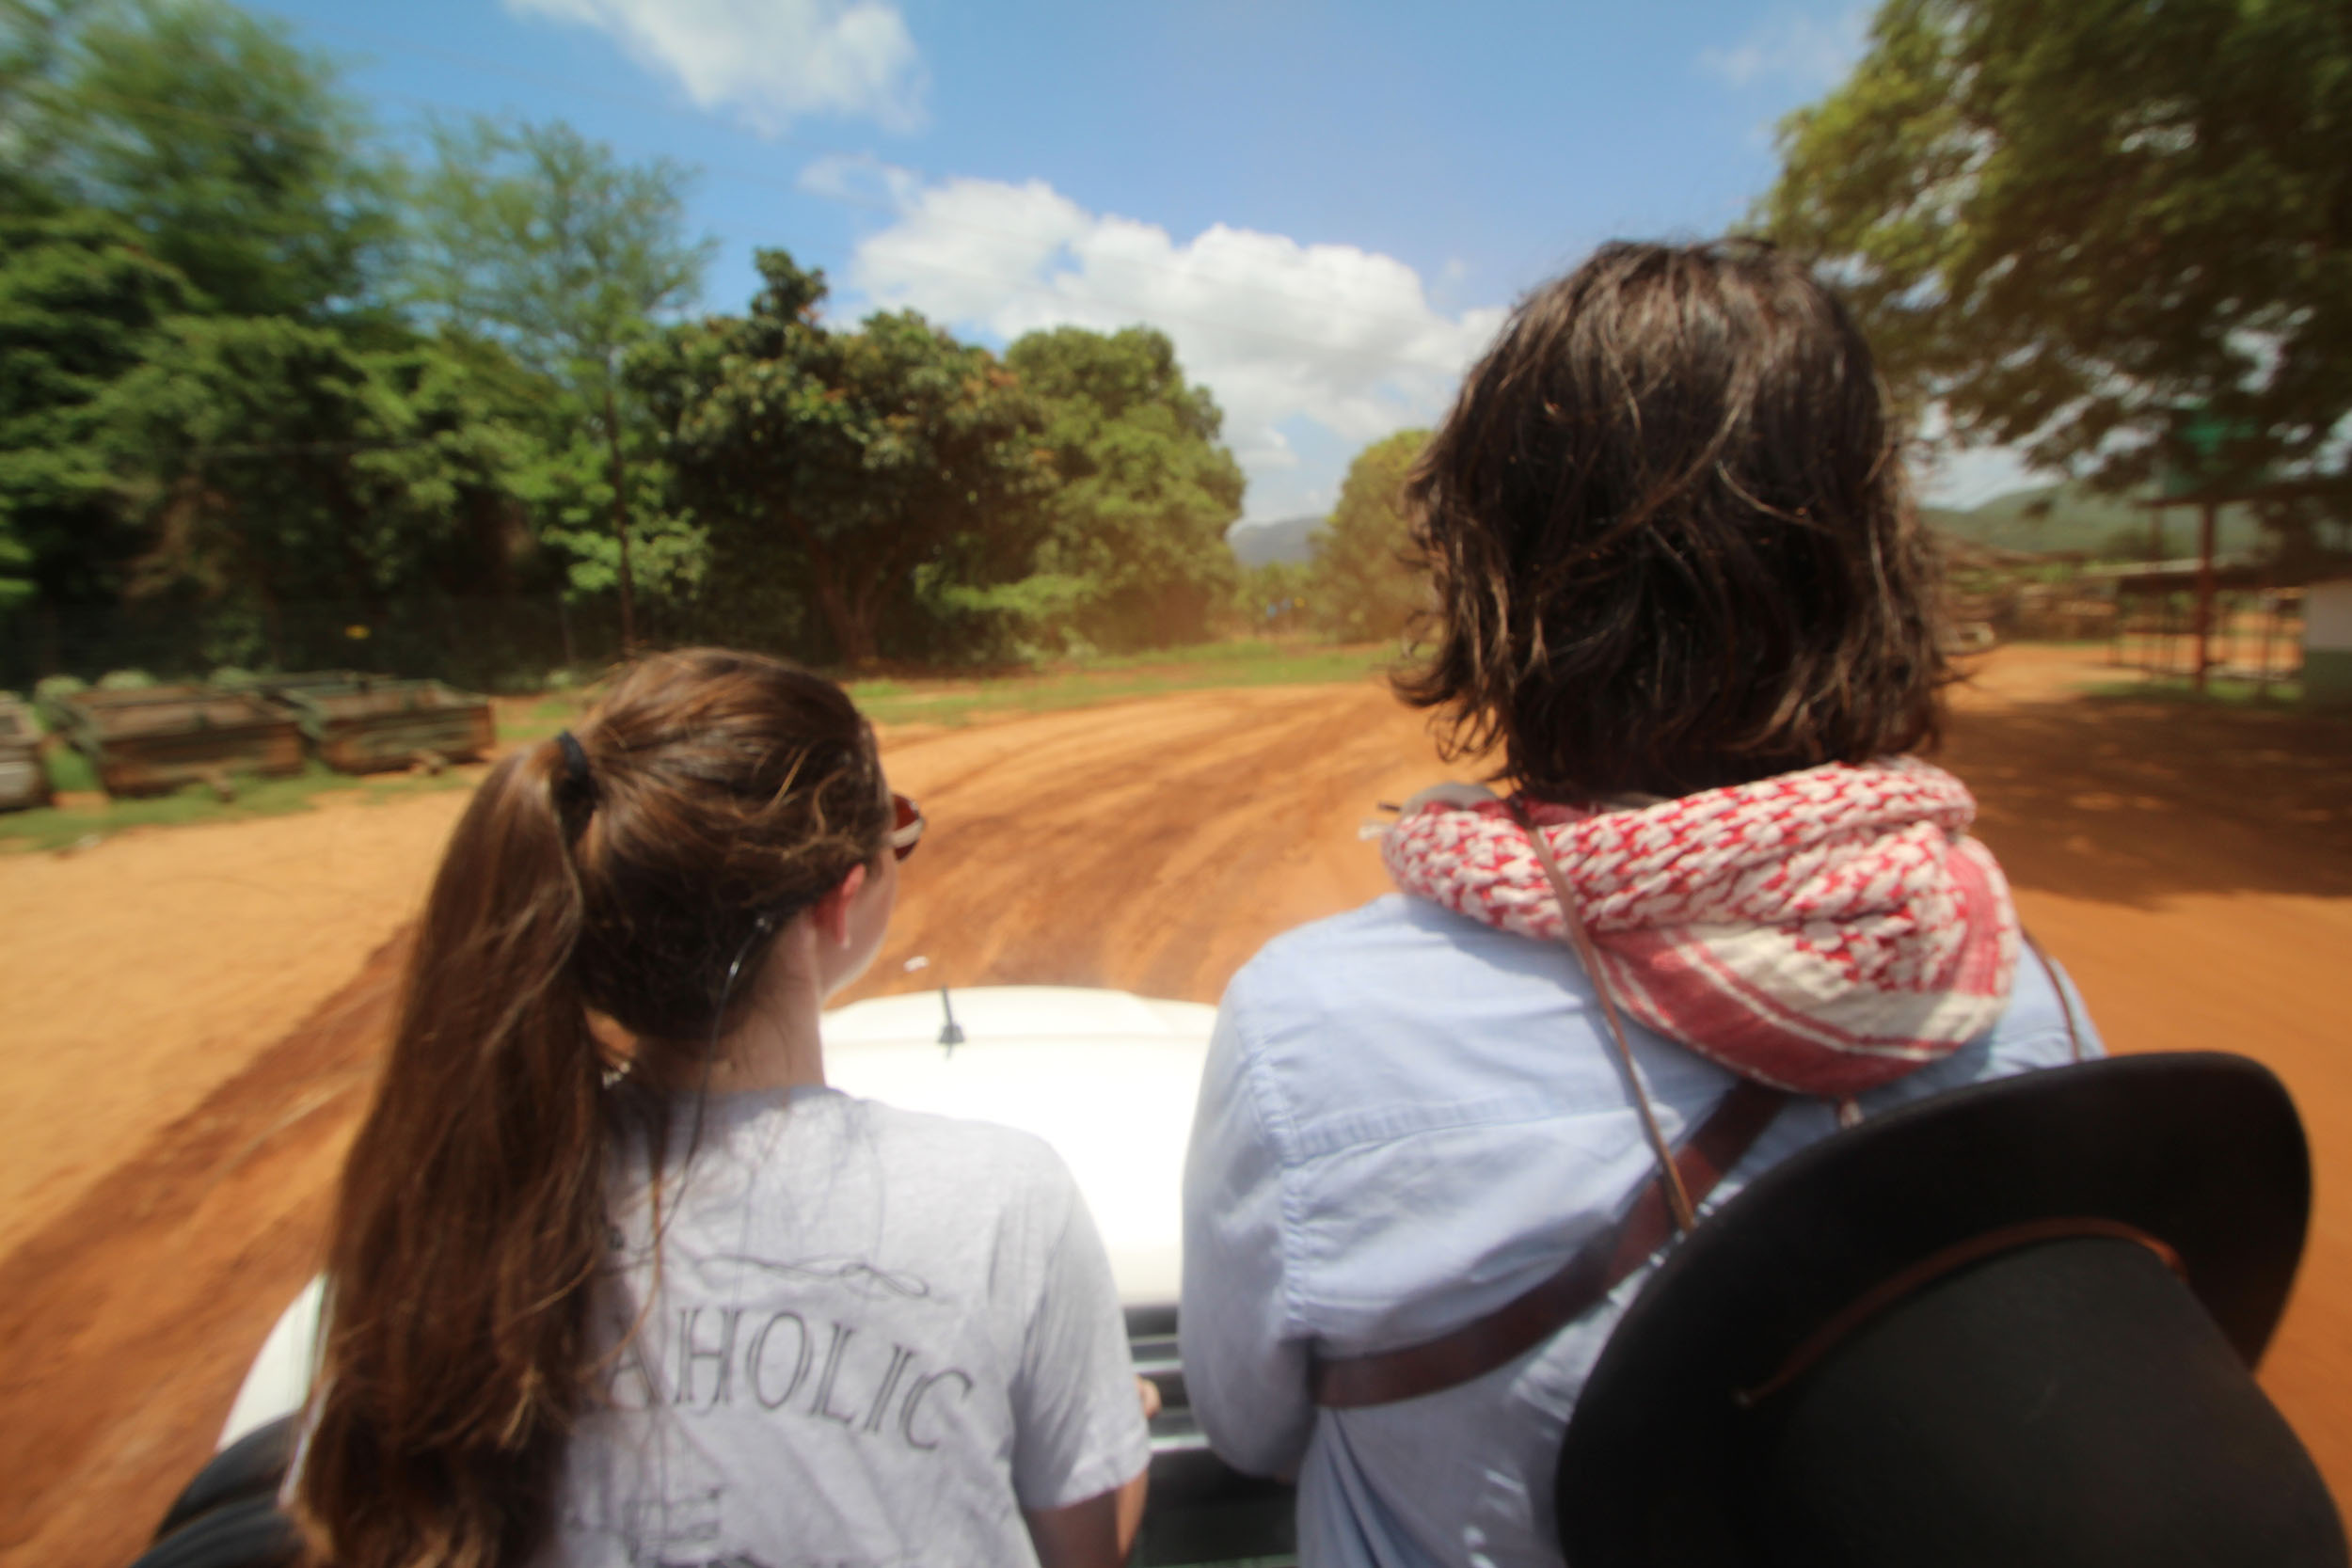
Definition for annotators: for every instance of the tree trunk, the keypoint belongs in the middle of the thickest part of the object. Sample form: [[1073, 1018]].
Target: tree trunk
[[2205, 593], [851, 625], [850, 616]]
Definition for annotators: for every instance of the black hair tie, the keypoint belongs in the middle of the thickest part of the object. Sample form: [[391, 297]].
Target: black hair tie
[[575, 772]]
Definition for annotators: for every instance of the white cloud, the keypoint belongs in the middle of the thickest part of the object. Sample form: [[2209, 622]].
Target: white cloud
[[772, 61], [1280, 331], [1804, 52]]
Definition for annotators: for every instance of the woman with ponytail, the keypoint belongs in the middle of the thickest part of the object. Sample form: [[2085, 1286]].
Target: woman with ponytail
[[615, 1277]]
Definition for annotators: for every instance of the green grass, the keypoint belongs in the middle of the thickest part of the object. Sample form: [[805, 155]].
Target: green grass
[[2280, 694], [70, 769], [65, 827], [1106, 679], [542, 719]]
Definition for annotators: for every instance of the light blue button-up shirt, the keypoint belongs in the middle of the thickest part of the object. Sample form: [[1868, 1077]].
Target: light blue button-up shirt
[[1408, 1119]]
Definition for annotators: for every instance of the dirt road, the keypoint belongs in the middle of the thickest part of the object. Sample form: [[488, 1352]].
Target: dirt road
[[193, 1014]]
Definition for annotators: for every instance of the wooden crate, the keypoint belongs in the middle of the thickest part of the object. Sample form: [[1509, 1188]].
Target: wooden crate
[[365, 723], [152, 741], [23, 780]]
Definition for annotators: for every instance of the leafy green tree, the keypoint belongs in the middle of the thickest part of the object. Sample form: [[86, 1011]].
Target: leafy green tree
[[1361, 584], [32, 40], [231, 151], [2069, 224], [1275, 597], [1147, 489], [855, 465], [80, 306], [277, 466], [542, 241]]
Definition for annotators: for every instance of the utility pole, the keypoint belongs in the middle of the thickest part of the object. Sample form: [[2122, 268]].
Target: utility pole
[[620, 505], [2204, 592]]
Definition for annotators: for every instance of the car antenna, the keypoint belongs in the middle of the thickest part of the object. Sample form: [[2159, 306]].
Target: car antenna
[[950, 1032]]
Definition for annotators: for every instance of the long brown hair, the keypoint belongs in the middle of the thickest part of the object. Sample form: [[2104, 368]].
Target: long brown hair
[[707, 799], [1668, 530]]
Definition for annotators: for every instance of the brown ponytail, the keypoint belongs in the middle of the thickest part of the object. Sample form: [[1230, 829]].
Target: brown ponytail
[[712, 797]]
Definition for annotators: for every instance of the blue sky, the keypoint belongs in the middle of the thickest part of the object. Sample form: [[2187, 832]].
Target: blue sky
[[1328, 207]]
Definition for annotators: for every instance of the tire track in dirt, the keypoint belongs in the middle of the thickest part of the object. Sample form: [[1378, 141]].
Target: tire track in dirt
[[131, 1316], [1150, 846]]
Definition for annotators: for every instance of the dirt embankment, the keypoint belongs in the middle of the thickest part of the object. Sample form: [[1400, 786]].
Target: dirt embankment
[[191, 1047]]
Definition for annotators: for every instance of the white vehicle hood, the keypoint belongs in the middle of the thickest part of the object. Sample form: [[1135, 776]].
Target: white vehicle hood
[[1108, 1078]]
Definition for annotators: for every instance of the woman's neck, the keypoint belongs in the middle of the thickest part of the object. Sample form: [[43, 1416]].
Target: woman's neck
[[776, 1044]]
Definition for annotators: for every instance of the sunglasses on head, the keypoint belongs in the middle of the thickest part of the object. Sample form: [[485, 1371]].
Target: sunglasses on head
[[906, 828]]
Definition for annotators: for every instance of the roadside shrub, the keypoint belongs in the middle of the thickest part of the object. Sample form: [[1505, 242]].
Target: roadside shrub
[[49, 691]]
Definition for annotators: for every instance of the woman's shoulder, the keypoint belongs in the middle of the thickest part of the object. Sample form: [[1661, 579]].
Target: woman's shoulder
[[1391, 947], [959, 1147], [2045, 1022], [1399, 976]]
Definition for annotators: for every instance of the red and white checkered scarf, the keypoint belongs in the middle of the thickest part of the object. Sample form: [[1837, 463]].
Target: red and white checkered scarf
[[1823, 931]]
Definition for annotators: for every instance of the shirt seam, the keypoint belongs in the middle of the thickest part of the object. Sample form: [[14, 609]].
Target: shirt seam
[[1282, 1129]]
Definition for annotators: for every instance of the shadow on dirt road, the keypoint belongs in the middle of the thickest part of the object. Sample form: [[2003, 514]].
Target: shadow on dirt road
[[2129, 803]]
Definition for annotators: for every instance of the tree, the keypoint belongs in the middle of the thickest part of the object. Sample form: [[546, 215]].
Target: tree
[[2096, 230], [230, 150], [861, 464], [542, 240], [32, 40], [1275, 597], [80, 306], [1147, 490], [277, 466], [1361, 584]]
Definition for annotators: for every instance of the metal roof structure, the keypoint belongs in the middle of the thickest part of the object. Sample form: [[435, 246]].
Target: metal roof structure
[[2229, 571]]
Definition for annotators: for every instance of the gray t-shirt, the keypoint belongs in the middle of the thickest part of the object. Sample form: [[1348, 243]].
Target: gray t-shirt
[[877, 1336]]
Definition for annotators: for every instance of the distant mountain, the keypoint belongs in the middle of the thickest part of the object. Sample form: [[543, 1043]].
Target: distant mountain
[[1256, 544], [2053, 520], [2049, 519]]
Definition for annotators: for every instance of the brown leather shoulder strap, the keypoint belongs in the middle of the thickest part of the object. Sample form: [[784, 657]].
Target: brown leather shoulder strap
[[2074, 1035], [1528, 1319]]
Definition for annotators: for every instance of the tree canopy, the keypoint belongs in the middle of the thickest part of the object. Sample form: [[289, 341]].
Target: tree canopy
[[542, 241], [271, 393], [536, 236], [282, 464], [1147, 489], [1362, 586], [80, 305], [225, 147], [850, 462], [2100, 232]]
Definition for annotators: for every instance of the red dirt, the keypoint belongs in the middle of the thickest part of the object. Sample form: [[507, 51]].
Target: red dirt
[[192, 1046]]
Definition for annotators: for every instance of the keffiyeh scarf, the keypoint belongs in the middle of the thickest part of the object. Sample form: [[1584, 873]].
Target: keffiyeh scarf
[[1822, 931]]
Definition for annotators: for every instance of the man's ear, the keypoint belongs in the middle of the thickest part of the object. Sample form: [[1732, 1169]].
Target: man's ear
[[832, 912]]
